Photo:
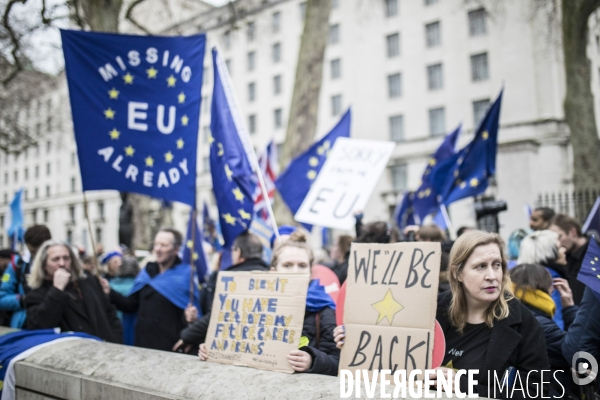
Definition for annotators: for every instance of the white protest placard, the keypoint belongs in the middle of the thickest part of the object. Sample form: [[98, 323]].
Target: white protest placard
[[345, 182]]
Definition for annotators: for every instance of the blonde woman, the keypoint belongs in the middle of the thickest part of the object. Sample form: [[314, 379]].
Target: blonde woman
[[61, 296]]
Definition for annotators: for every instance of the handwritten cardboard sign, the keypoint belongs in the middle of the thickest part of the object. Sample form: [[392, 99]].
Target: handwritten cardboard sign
[[345, 182], [391, 301], [257, 319]]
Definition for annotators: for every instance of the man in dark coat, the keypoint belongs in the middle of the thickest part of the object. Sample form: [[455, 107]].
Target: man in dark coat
[[160, 305]]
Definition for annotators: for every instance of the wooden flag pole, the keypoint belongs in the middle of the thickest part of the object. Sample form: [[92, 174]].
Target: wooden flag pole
[[89, 224]]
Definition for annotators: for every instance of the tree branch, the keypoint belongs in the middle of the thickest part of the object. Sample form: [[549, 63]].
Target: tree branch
[[129, 17], [16, 45], [77, 16]]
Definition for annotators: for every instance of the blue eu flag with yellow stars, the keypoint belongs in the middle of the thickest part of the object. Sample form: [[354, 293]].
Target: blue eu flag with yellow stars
[[589, 274], [426, 198], [135, 102], [467, 173], [230, 167], [295, 182], [405, 215], [193, 241]]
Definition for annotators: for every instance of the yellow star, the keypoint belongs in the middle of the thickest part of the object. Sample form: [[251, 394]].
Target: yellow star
[[189, 244], [228, 172], [181, 97], [184, 120], [593, 269], [113, 93], [460, 160], [171, 81], [180, 143], [598, 276], [114, 134], [129, 151], [210, 139], [149, 161], [128, 78], [239, 196], [432, 162], [427, 192], [455, 173], [463, 185], [110, 113], [474, 182], [387, 308], [230, 219], [221, 151], [244, 214], [311, 175], [326, 144], [168, 156], [313, 161], [195, 256], [596, 258], [151, 73], [320, 150], [485, 135]]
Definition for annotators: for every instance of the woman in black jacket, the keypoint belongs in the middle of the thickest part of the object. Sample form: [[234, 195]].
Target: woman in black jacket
[[63, 297]]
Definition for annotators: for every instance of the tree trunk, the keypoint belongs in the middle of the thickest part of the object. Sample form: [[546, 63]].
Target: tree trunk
[[302, 122], [579, 101], [102, 15]]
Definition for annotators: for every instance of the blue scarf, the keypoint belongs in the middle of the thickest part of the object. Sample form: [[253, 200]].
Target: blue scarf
[[316, 298], [173, 284]]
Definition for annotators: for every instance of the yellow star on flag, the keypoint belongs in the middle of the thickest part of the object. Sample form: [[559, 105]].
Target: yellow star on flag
[[168, 156], [229, 219], [485, 135], [181, 97], [149, 161], [113, 93], [180, 143], [239, 196], [313, 161], [151, 73], [171, 81], [110, 113], [244, 214], [311, 174], [228, 172], [432, 162], [598, 276], [320, 150], [387, 308], [189, 244], [128, 78], [129, 151], [221, 151], [463, 185], [114, 134], [326, 144], [184, 120], [455, 173], [210, 139], [427, 192], [195, 256], [474, 182]]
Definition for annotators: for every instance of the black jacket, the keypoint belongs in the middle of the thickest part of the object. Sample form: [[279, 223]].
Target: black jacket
[[516, 341], [158, 320], [584, 333], [196, 333], [325, 356], [92, 313], [574, 261]]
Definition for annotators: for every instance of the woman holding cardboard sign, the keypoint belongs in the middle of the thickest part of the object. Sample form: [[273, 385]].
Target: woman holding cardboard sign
[[317, 352]]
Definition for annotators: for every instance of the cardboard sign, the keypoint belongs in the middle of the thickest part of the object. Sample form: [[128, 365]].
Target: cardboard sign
[[391, 301], [345, 182], [257, 319]]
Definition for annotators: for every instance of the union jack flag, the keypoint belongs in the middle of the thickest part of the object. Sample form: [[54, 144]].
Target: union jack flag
[[269, 166]]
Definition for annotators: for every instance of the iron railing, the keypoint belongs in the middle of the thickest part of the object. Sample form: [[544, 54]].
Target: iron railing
[[577, 204]]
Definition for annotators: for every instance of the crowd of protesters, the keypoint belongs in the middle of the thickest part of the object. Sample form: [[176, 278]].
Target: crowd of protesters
[[503, 308]]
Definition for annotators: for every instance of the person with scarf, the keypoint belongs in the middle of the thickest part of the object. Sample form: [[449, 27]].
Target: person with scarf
[[317, 352], [533, 285]]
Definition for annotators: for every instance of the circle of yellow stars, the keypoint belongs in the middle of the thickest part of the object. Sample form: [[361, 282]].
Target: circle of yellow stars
[[313, 162]]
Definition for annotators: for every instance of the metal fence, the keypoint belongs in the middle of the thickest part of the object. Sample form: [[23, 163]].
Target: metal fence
[[577, 204]]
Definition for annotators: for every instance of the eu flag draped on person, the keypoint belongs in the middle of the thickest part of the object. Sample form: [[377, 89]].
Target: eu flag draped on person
[[193, 241], [230, 167], [426, 198], [295, 182], [15, 228], [135, 102], [467, 173]]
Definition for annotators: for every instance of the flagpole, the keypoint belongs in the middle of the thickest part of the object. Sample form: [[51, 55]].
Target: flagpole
[[89, 224], [193, 223], [448, 222]]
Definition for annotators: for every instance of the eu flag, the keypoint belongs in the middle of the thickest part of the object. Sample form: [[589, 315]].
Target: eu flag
[[193, 240], [295, 182], [231, 171], [590, 268], [405, 213], [135, 102], [592, 222], [467, 173], [426, 198]]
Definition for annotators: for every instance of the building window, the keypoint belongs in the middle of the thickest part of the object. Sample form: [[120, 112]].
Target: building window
[[72, 214], [48, 146], [334, 34], [433, 34], [45, 216], [276, 52], [49, 123], [252, 123], [5, 199], [435, 77], [251, 60], [251, 92], [73, 185], [37, 171], [34, 216], [278, 118], [394, 85], [26, 194], [336, 68], [302, 11], [36, 193], [437, 121], [16, 176], [48, 169], [47, 191], [479, 67], [477, 23], [393, 45], [430, 2], [98, 235], [277, 84], [276, 22], [26, 173], [5, 179], [227, 40], [73, 159], [399, 177], [336, 104], [397, 128], [250, 31], [69, 236], [480, 107], [101, 209], [391, 8]]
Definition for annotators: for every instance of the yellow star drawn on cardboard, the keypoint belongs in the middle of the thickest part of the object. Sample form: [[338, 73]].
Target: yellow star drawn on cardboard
[[387, 308]]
